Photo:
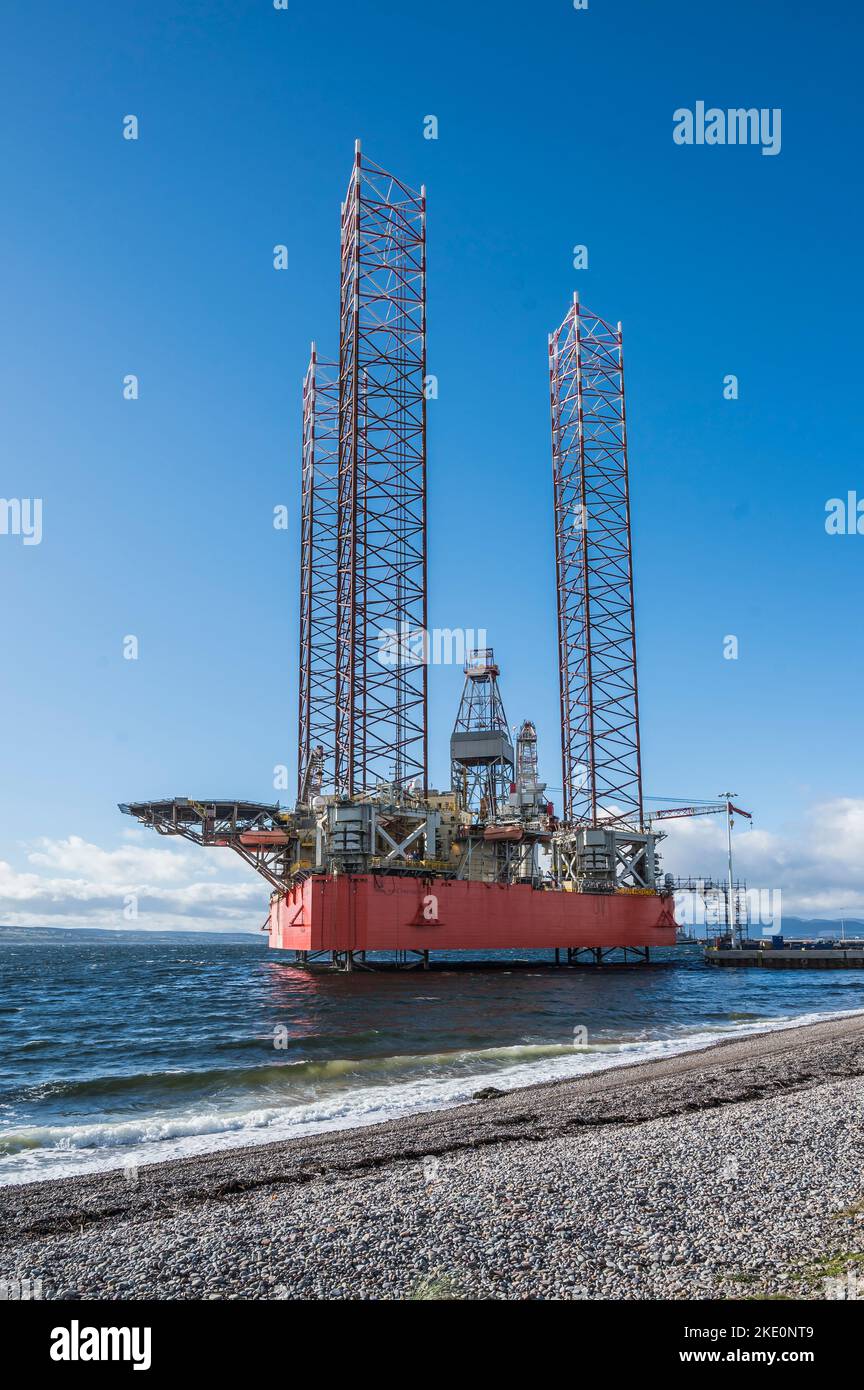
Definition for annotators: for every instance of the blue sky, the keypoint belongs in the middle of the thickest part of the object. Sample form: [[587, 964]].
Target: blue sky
[[555, 129]]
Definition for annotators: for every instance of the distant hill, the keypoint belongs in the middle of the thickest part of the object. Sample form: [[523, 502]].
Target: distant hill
[[796, 928], [53, 936], [793, 927], [818, 926]]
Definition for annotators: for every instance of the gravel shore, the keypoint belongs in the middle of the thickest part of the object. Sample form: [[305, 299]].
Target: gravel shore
[[732, 1172]]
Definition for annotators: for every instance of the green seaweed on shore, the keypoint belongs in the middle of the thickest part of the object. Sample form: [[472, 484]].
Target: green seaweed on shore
[[810, 1280], [836, 1265], [807, 1279], [439, 1288]]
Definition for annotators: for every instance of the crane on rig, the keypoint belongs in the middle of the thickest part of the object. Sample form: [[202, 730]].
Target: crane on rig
[[726, 807], [710, 808]]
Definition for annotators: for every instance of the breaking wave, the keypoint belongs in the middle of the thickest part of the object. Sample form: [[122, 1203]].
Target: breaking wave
[[256, 1105]]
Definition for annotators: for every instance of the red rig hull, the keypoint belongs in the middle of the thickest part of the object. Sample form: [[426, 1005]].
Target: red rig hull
[[372, 912]]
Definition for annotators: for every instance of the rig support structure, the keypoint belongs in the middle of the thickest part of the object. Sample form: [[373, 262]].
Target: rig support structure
[[601, 759], [316, 739], [381, 621]]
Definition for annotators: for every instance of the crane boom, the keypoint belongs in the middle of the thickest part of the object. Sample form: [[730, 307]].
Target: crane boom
[[671, 812]]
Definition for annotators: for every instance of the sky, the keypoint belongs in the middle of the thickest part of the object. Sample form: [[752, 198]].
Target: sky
[[154, 257]]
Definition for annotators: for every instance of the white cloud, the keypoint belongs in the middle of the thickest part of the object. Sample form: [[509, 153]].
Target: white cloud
[[817, 863], [132, 862], [73, 883]]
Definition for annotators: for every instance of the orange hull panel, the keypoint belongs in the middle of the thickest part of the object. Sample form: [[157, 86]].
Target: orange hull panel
[[367, 912]]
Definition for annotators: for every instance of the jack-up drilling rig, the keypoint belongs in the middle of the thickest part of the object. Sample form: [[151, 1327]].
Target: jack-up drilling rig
[[370, 859]]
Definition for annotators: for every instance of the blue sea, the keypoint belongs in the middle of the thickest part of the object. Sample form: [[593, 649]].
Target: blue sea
[[130, 1048]]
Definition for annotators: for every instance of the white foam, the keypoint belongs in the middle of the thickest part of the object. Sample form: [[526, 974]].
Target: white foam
[[62, 1151]]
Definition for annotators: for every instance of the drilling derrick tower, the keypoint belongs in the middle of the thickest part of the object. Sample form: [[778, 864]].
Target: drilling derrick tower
[[503, 818], [481, 752]]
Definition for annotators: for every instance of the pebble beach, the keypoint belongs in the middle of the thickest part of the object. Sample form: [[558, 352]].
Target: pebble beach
[[731, 1172]]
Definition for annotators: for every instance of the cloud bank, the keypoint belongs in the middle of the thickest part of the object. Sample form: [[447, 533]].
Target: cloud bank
[[73, 883], [817, 864]]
